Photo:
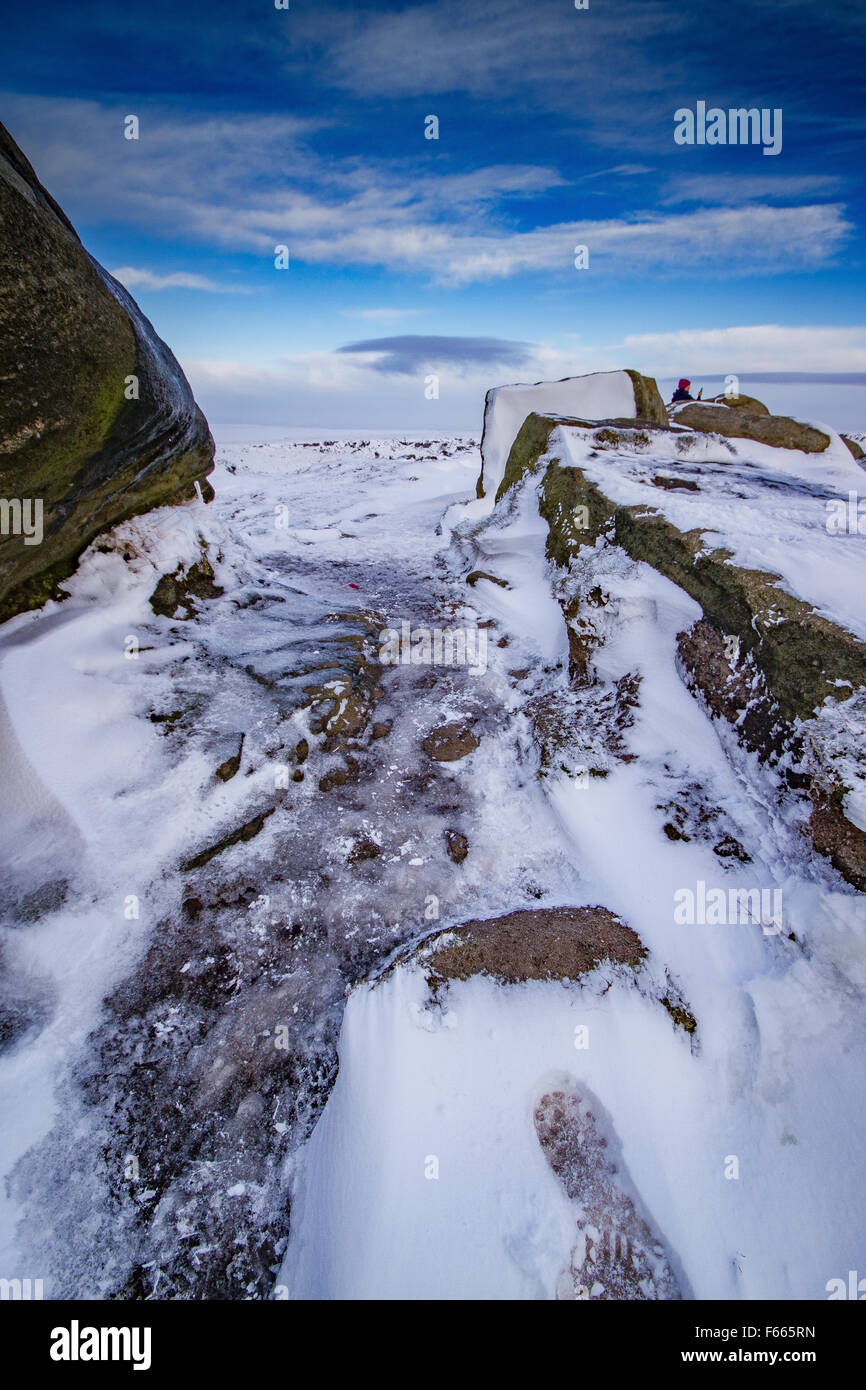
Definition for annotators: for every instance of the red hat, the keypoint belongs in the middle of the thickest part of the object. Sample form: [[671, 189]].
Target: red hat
[[684, 384]]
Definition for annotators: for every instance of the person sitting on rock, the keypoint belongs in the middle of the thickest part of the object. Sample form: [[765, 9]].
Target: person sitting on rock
[[682, 392]]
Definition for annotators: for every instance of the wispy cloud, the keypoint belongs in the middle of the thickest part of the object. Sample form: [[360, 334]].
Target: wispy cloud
[[753, 348], [625, 171], [743, 188], [449, 47], [137, 278], [253, 183], [750, 240]]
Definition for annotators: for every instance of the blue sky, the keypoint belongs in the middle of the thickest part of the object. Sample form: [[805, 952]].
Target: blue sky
[[305, 127]]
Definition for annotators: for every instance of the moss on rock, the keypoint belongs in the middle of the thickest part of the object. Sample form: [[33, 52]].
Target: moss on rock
[[779, 431], [97, 420], [803, 655], [648, 403]]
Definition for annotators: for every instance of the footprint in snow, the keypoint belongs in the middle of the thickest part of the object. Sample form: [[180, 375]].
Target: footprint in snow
[[617, 1254]]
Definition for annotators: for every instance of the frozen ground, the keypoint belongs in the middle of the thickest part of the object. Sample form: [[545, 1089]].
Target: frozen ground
[[176, 999]]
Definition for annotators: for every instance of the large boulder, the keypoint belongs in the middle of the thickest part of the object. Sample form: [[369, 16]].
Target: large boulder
[[97, 420], [622, 395], [780, 431], [747, 403]]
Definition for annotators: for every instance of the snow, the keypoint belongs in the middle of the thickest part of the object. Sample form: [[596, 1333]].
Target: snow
[[114, 802], [771, 1084], [460, 1086], [457, 1086], [84, 775], [736, 478], [597, 396]]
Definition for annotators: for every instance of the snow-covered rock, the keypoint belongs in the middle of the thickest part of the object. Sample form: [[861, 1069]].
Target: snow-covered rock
[[597, 396], [779, 431]]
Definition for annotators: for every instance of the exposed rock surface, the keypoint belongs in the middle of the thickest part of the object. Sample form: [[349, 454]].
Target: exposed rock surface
[[780, 431], [648, 403], [749, 404], [450, 742], [97, 421], [229, 749], [541, 944], [802, 654], [458, 845], [834, 835], [175, 594], [474, 577]]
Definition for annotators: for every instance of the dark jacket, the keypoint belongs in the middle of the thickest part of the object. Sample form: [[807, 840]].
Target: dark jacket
[[681, 395]]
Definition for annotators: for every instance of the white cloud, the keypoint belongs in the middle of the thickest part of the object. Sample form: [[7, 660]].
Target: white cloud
[[451, 46], [750, 240], [619, 171], [348, 392], [329, 391], [252, 183], [401, 237], [742, 188], [713, 351], [135, 278], [765, 347]]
